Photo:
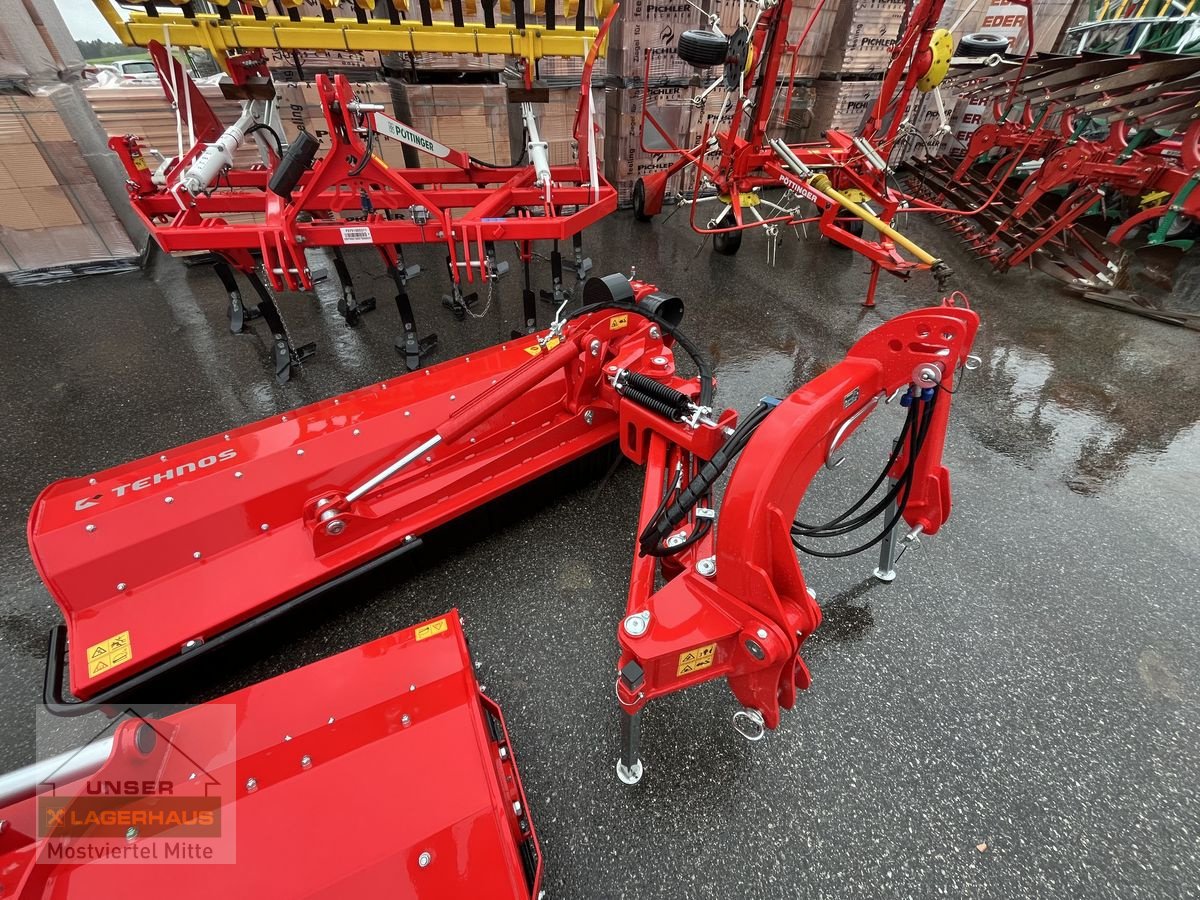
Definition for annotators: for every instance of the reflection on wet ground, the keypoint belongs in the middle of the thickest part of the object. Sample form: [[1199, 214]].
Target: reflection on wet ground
[[1027, 683]]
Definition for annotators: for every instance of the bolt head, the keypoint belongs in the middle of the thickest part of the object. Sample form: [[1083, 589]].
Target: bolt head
[[357, 432], [658, 360], [299, 452], [762, 634], [131, 834], [335, 526], [655, 334], [424, 859], [636, 624], [196, 555], [251, 785], [263, 527], [237, 474], [90, 528], [405, 720], [305, 762], [121, 586], [517, 807], [589, 416], [168, 499]]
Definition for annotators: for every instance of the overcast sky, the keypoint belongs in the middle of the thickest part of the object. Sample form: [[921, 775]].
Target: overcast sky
[[84, 20]]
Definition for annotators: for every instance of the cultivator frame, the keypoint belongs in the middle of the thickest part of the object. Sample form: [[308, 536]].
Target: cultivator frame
[[199, 200], [176, 555], [1028, 181]]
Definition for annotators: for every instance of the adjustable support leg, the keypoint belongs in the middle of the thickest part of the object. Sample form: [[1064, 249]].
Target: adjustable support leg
[[239, 315], [283, 353], [349, 306], [629, 766], [413, 347], [528, 298], [886, 570], [560, 294], [456, 301], [583, 264]]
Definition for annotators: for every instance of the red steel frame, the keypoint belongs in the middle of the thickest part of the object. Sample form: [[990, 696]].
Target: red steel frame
[[746, 162], [468, 204], [180, 550], [379, 771]]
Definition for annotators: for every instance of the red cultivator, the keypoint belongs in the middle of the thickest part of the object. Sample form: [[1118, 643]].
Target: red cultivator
[[159, 561], [1083, 156], [846, 178], [349, 196], [303, 785]]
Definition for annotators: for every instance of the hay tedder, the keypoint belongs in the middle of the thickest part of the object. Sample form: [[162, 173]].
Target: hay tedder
[[848, 177], [299, 197], [159, 562], [1087, 169]]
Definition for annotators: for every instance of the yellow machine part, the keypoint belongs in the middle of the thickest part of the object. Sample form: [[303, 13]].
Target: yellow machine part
[[941, 45], [744, 200], [1155, 198], [821, 182], [241, 33]]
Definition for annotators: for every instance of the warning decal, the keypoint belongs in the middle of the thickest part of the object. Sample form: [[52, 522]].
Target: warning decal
[[696, 659], [616, 323], [105, 655], [430, 629]]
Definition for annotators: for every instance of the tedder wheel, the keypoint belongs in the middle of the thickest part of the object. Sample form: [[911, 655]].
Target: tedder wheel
[[639, 202], [982, 44], [703, 48], [727, 243]]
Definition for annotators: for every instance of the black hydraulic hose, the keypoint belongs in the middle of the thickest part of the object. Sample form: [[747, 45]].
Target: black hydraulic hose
[[916, 443], [842, 520], [701, 486]]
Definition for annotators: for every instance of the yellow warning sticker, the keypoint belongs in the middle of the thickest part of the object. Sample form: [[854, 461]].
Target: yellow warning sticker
[[139, 163], [696, 659], [537, 348], [105, 655], [431, 628], [616, 323]]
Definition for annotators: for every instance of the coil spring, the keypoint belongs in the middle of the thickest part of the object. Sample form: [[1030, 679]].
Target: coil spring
[[654, 404], [677, 401]]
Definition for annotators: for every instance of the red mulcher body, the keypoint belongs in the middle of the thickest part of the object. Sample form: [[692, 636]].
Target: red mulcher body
[[382, 771], [158, 561]]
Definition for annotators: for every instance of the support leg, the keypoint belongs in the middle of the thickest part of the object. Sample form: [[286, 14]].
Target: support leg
[[349, 306], [560, 294], [886, 570], [284, 354], [629, 766], [456, 301], [413, 347], [870, 301], [583, 264], [239, 315]]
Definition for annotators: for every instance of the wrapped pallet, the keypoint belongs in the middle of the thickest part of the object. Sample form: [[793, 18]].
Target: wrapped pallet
[[651, 27], [305, 65], [556, 125], [841, 105], [468, 117], [1051, 18], [55, 221], [628, 154], [867, 31]]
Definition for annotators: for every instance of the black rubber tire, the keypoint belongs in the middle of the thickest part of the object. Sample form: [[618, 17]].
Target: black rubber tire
[[639, 202], [727, 243], [702, 49], [855, 227], [981, 44]]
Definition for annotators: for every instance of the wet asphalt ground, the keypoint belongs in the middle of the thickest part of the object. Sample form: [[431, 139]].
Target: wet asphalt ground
[[1015, 716]]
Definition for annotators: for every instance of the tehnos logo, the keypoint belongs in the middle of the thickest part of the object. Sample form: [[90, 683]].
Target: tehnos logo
[[181, 471]]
